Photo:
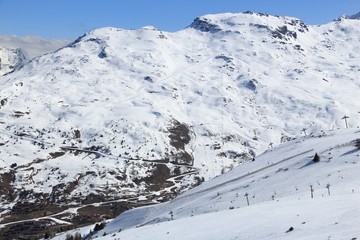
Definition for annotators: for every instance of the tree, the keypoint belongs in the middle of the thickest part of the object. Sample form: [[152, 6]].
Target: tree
[[316, 158], [69, 237], [77, 236], [99, 226]]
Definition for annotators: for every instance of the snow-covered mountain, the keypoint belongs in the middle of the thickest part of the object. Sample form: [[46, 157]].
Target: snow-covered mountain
[[144, 115], [355, 16], [16, 51], [11, 59], [33, 46], [283, 194]]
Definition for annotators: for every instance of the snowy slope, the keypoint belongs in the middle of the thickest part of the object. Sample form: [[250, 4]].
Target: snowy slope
[[278, 187], [146, 114]]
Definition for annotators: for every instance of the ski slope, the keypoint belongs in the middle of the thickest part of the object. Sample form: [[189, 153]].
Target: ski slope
[[279, 198], [145, 114]]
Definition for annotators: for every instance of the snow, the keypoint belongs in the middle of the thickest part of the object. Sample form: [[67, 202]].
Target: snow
[[239, 82], [218, 209], [11, 59], [311, 219]]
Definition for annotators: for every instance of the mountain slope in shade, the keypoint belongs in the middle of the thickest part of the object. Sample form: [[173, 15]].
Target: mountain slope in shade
[[355, 16], [145, 115]]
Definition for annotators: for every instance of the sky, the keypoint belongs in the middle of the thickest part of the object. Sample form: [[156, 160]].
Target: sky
[[69, 19]]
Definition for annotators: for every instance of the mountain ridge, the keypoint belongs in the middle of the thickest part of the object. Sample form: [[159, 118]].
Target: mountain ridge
[[116, 108], [354, 16]]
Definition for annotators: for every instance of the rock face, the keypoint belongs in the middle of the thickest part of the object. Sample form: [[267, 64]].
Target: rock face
[[11, 59], [355, 16], [139, 116]]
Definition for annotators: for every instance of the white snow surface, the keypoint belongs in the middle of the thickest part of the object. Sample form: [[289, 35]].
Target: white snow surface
[[240, 82], [278, 184]]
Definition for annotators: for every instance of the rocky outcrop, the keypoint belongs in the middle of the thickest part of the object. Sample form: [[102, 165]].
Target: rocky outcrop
[[11, 60]]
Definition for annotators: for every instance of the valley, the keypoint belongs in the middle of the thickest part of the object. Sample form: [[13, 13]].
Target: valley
[[120, 119]]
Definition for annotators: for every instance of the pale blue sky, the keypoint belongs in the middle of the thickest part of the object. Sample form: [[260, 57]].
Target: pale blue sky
[[68, 19]]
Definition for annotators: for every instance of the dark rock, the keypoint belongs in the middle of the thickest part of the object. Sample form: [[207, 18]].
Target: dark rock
[[204, 25]]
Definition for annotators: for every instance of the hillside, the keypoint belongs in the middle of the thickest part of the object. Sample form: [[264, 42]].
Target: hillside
[[135, 117], [277, 186]]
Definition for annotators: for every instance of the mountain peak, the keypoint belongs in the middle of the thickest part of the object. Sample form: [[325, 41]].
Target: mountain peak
[[204, 24], [351, 17], [139, 116], [355, 16], [149, 27], [236, 21]]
